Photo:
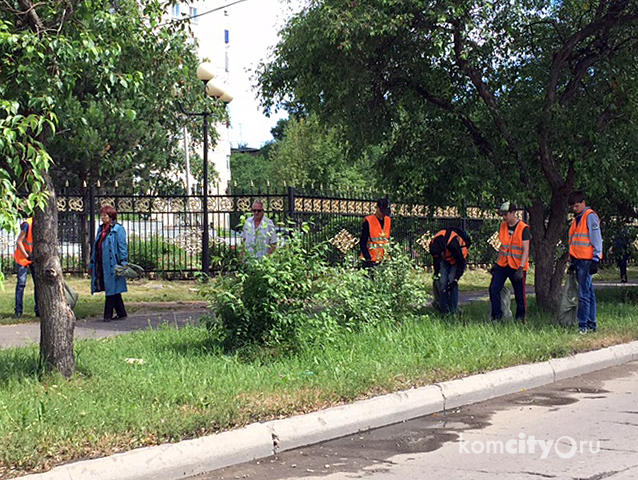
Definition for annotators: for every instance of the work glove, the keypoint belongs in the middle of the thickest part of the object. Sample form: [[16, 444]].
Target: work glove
[[593, 267], [436, 277], [519, 274], [492, 269], [450, 286], [571, 268]]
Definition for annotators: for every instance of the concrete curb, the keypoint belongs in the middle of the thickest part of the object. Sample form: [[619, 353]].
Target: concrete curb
[[259, 440]]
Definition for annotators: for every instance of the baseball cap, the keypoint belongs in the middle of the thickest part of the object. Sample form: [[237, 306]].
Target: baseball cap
[[384, 206], [506, 207]]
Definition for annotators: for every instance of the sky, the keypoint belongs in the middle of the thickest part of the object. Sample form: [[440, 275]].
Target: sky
[[253, 27]]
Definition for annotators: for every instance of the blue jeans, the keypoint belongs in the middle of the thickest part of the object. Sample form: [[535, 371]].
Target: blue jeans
[[586, 297], [449, 300], [499, 275], [20, 286]]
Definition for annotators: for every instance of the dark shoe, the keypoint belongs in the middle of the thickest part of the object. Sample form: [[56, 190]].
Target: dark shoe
[[18, 315], [106, 320], [117, 317]]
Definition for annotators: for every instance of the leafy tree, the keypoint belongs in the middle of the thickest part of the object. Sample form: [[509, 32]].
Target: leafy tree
[[72, 89], [251, 171], [119, 121], [304, 153], [312, 154], [518, 99]]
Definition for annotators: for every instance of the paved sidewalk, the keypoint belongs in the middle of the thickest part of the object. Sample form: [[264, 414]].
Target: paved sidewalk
[[27, 333]]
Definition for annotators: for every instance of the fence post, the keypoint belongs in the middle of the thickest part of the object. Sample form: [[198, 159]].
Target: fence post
[[291, 201], [91, 217]]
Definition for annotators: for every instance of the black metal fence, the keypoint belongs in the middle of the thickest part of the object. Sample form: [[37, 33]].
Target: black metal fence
[[165, 232]]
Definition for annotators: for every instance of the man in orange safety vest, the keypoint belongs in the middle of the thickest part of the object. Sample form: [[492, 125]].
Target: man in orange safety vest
[[375, 234], [22, 256]]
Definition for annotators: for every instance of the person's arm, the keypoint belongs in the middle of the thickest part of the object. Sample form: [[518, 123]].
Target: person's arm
[[273, 237], [457, 253], [20, 243], [525, 252], [122, 248], [595, 236], [363, 241]]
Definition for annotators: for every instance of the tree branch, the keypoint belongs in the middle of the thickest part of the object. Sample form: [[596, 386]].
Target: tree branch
[[613, 17], [488, 98], [481, 142]]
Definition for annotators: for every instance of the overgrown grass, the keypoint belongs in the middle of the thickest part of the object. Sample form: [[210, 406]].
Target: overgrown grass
[[142, 295], [179, 383]]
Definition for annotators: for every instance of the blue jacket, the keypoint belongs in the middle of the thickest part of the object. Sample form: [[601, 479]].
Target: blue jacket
[[114, 252]]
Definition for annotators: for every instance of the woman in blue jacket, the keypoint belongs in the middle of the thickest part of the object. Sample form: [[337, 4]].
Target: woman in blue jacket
[[109, 250]]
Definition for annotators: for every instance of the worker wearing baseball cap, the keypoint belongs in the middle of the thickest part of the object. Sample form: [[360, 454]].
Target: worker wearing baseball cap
[[512, 262]]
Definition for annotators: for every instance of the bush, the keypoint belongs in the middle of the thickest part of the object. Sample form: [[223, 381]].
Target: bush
[[294, 298], [156, 254]]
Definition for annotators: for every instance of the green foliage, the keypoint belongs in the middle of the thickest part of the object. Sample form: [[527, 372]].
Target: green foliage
[[293, 298], [155, 252], [266, 300], [311, 153], [490, 100], [305, 152], [108, 78], [252, 171]]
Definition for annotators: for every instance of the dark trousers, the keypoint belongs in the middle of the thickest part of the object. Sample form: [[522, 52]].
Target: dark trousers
[[21, 284], [499, 275], [622, 265], [114, 302]]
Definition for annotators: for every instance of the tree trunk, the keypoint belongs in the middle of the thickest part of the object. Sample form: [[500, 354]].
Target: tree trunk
[[546, 234], [57, 319]]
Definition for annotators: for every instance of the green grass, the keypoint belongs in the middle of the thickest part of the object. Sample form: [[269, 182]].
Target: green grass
[[185, 386], [142, 295]]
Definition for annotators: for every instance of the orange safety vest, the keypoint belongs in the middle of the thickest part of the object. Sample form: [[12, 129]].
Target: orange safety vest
[[28, 246], [579, 245], [447, 255], [511, 252], [378, 237]]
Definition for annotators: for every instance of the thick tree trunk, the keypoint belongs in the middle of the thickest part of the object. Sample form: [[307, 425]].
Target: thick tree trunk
[[57, 320], [547, 232]]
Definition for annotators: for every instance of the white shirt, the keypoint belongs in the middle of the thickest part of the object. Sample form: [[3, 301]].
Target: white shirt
[[258, 240]]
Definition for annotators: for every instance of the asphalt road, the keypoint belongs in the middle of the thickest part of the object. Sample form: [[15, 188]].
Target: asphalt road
[[585, 428]]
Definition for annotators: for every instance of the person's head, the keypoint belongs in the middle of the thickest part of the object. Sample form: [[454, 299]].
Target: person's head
[[383, 208], [508, 211], [576, 201], [108, 214], [258, 209]]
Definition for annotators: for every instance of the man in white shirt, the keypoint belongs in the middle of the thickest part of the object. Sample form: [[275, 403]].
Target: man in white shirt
[[259, 234]]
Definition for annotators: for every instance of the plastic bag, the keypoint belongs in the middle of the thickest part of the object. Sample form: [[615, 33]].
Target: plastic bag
[[567, 314], [129, 270], [506, 300], [70, 295], [436, 294]]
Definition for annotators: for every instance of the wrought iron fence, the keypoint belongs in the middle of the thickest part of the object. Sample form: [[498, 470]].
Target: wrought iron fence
[[165, 232]]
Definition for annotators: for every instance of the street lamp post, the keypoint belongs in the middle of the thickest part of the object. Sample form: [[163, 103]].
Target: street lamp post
[[205, 74]]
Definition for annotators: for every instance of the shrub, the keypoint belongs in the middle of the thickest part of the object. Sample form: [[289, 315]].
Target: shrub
[[294, 298], [156, 253], [266, 301]]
